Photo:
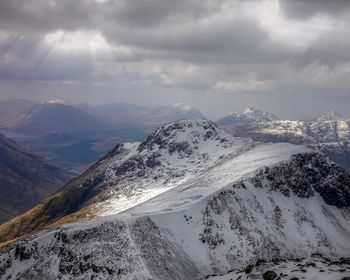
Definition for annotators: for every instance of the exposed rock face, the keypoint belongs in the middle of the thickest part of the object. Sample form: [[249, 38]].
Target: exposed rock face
[[111, 250], [306, 174], [315, 267], [339, 152]]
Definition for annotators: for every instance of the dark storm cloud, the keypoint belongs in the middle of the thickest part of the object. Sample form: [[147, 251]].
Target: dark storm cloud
[[147, 13], [37, 16], [220, 39], [302, 9], [48, 15]]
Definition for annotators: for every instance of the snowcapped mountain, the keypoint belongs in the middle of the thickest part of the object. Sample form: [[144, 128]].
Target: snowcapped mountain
[[331, 127], [188, 202], [328, 133], [247, 116]]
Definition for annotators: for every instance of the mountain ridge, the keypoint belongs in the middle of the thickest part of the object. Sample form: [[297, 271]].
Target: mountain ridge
[[329, 127], [128, 114], [48, 118], [328, 133], [187, 202]]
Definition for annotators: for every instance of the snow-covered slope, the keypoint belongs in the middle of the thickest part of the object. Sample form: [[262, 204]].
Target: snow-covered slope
[[315, 268], [247, 116], [134, 172], [331, 127], [188, 202]]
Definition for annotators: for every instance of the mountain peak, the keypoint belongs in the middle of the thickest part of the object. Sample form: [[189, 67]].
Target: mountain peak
[[332, 115], [251, 110], [52, 117], [258, 115], [183, 107], [248, 115], [195, 131], [56, 101]]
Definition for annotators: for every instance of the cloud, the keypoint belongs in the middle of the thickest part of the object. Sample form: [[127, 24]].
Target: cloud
[[303, 9], [178, 50]]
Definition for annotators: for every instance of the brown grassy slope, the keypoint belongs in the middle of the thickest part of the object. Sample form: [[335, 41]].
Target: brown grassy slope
[[25, 179], [62, 206]]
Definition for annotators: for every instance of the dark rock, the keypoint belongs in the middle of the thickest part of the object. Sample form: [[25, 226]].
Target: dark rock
[[317, 255], [334, 263], [344, 260], [310, 264], [260, 262], [304, 175], [22, 253], [249, 268], [269, 275]]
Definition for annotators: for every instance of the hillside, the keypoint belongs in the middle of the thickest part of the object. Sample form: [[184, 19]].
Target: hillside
[[25, 179], [10, 108], [188, 202], [48, 118]]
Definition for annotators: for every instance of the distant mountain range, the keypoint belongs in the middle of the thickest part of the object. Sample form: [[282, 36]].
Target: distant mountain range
[[329, 133], [264, 126], [126, 115], [27, 117], [46, 118], [25, 179], [75, 136], [189, 202]]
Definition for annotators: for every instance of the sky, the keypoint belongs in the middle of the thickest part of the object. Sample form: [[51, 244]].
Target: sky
[[289, 57]]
